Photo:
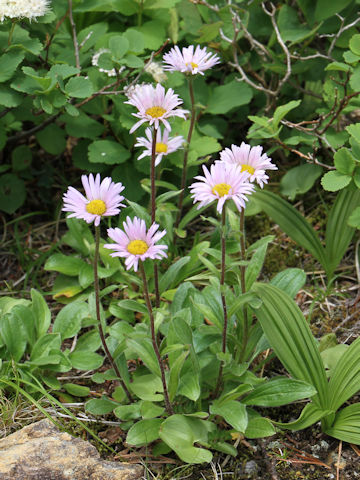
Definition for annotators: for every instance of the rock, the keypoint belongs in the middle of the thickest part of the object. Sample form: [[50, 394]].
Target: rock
[[41, 452], [251, 468]]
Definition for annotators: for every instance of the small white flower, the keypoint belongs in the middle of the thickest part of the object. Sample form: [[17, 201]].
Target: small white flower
[[30, 9], [95, 63], [156, 71], [164, 144]]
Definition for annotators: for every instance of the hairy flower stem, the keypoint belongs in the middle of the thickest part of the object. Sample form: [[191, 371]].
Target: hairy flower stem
[[243, 284], [153, 211], [168, 405], [222, 283], [97, 303], [186, 152], [11, 31]]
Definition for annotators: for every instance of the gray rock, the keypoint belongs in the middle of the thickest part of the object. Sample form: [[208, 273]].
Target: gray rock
[[251, 468], [41, 452]]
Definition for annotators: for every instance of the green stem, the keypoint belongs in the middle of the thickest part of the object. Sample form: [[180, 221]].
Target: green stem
[[168, 405], [11, 31], [153, 210], [223, 299], [186, 152], [97, 303]]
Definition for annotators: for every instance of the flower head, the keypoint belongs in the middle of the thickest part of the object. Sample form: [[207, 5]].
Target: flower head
[[101, 200], [251, 160], [155, 106], [156, 71], [164, 144], [135, 243], [190, 61], [223, 182], [23, 9]]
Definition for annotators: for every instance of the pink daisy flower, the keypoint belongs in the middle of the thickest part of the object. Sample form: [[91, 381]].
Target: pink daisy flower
[[155, 106], [189, 61], [251, 160], [164, 144], [135, 243], [223, 182], [101, 200]]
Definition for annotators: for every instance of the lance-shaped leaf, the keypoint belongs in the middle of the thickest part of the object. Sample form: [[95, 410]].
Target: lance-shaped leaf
[[291, 339], [346, 426]]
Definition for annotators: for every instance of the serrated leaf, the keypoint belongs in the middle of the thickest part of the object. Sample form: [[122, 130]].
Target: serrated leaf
[[9, 63], [334, 181], [79, 87], [344, 161]]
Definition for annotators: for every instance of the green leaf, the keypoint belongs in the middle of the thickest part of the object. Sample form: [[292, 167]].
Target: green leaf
[[168, 280], [76, 390], [13, 335], [9, 98], [291, 339], [354, 44], [147, 387], [144, 432], [209, 32], [283, 110], [64, 264], [345, 378], [68, 320], [290, 280], [21, 158], [175, 374], [52, 139], [108, 152], [180, 433], [279, 391], [354, 130], [119, 45], [145, 350], [338, 233], [86, 360], [135, 40], [42, 347], [256, 263], [354, 218], [344, 161], [12, 193], [9, 63], [291, 222], [128, 412], [290, 27], [259, 427], [233, 412], [100, 406], [299, 180], [41, 313], [79, 87], [346, 426], [310, 414], [334, 181], [82, 126], [229, 96], [324, 9], [150, 410]]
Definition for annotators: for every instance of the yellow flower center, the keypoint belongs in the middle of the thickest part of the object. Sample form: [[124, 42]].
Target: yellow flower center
[[137, 247], [221, 189], [161, 147], [155, 112], [194, 65], [96, 207], [247, 168]]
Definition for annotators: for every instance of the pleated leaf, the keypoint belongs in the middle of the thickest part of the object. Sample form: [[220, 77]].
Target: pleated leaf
[[346, 426], [291, 339], [338, 232], [291, 222], [345, 380]]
